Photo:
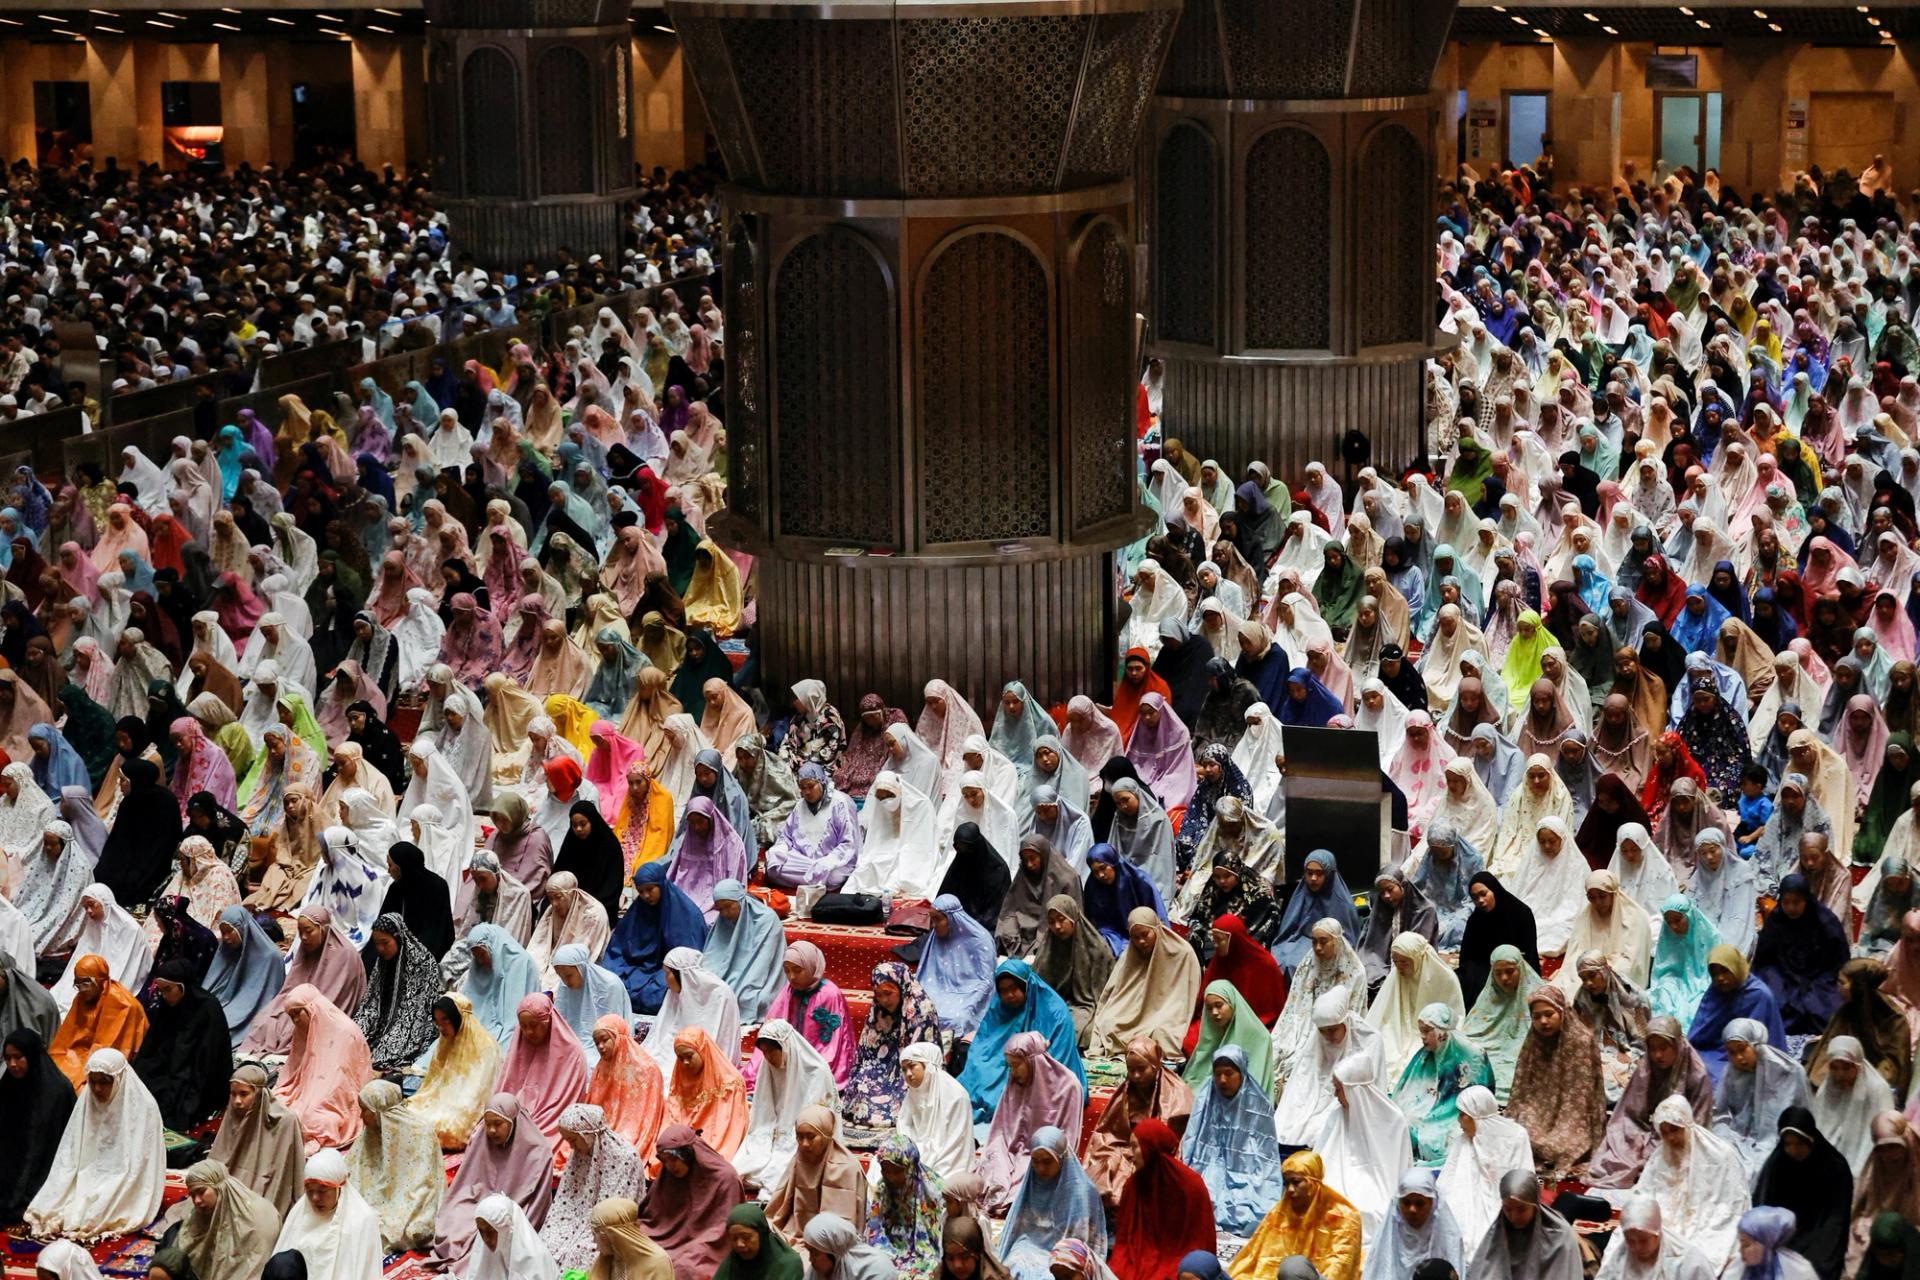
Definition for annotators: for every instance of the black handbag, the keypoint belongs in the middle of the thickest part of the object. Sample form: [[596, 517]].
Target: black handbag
[[850, 908]]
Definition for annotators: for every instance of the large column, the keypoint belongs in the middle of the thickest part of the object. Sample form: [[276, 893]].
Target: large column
[[930, 301], [386, 70], [531, 149], [247, 89], [1288, 181]]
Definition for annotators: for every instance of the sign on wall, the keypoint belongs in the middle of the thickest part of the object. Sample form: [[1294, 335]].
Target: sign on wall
[[1483, 131]]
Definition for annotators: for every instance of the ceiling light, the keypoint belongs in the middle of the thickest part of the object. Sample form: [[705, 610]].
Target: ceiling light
[[105, 13], [1760, 14], [10, 22], [49, 17], [177, 17], [282, 21], [1543, 35], [155, 22], [658, 27], [62, 31], [385, 31], [226, 26], [1517, 18], [1702, 22], [1774, 26], [1686, 11], [391, 13], [1612, 31], [1589, 17]]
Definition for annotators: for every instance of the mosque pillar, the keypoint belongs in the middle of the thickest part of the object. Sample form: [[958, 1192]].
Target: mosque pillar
[[930, 304], [1287, 189], [530, 135]]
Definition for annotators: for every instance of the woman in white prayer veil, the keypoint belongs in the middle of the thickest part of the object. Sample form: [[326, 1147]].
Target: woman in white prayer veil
[[372, 826], [331, 1226], [1419, 1226], [1454, 636], [452, 444], [674, 770], [1255, 754], [1698, 1180], [1709, 547], [1643, 1249], [1305, 1100], [900, 849], [296, 547], [114, 937], [1302, 549], [973, 801], [1645, 874], [210, 638], [1156, 597], [936, 1114], [1791, 683], [198, 500], [273, 641], [140, 471], [468, 746], [1364, 1142], [507, 1246], [1297, 626], [781, 1092], [277, 590], [912, 760], [702, 999], [1552, 880], [111, 1165], [435, 783], [1167, 485], [1332, 965], [417, 637], [1852, 1094], [262, 709], [1487, 1148], [980, 756]]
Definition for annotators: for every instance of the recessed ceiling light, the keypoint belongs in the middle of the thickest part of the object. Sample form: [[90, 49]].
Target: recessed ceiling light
[[1589, 17], [1760, 14], [1702, 22], [1612, 31], [62, 31], [10, 22], [1686, 11], [658, 27], [391, 13], [385, 31], [155, 22], [282, 21], [1774, 26]]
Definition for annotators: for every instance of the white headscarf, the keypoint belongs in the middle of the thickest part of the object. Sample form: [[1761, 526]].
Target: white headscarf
[[518, 1254], [937, 1116], [1555, 888], [116, 939], [342, 1245], [1396, 1009], [1364, 1143], [704, 1000], [1650, 883], [1470, 1178], [1703, 1191], [1845, 1115], [780, 1094], [899, 849], [111, 1165]]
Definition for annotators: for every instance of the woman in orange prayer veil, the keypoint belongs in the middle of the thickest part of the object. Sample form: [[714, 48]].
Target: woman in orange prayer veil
[[105, 1015], [707, 1092], [626, 1085]]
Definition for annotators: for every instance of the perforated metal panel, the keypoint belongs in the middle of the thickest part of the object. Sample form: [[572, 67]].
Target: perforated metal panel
[[1184, 231], [1194, 68], [563, 90], [834, 334], [1392, 188], [1289, 221], [819, 96], [490, 95], [986, 393], [443, 116], [987, 101], [705, 46], [1292, 50], [1100, 323], [746, 431], [1383, 60], [1121, 67], [521, 14]]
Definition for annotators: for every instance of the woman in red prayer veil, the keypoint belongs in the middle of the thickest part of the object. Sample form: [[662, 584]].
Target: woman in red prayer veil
[[1165, 1212]]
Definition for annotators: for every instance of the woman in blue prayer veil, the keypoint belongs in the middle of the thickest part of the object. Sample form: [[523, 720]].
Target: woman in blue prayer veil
[[1320, 894], [1696, 628], [1114, 887], [661, 918], [1308, 702], [957, 967], [1230, 1143], [1025, 1003]]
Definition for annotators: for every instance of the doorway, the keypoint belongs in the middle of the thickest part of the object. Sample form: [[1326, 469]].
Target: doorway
[[323, 119], [1526, 128], [1689, 132], [62, 121]]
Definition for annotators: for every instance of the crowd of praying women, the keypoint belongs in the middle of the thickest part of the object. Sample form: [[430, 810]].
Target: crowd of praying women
[[399, 845]]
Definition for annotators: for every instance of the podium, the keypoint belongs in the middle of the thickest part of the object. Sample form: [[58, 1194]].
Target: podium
[[1335, 801]]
